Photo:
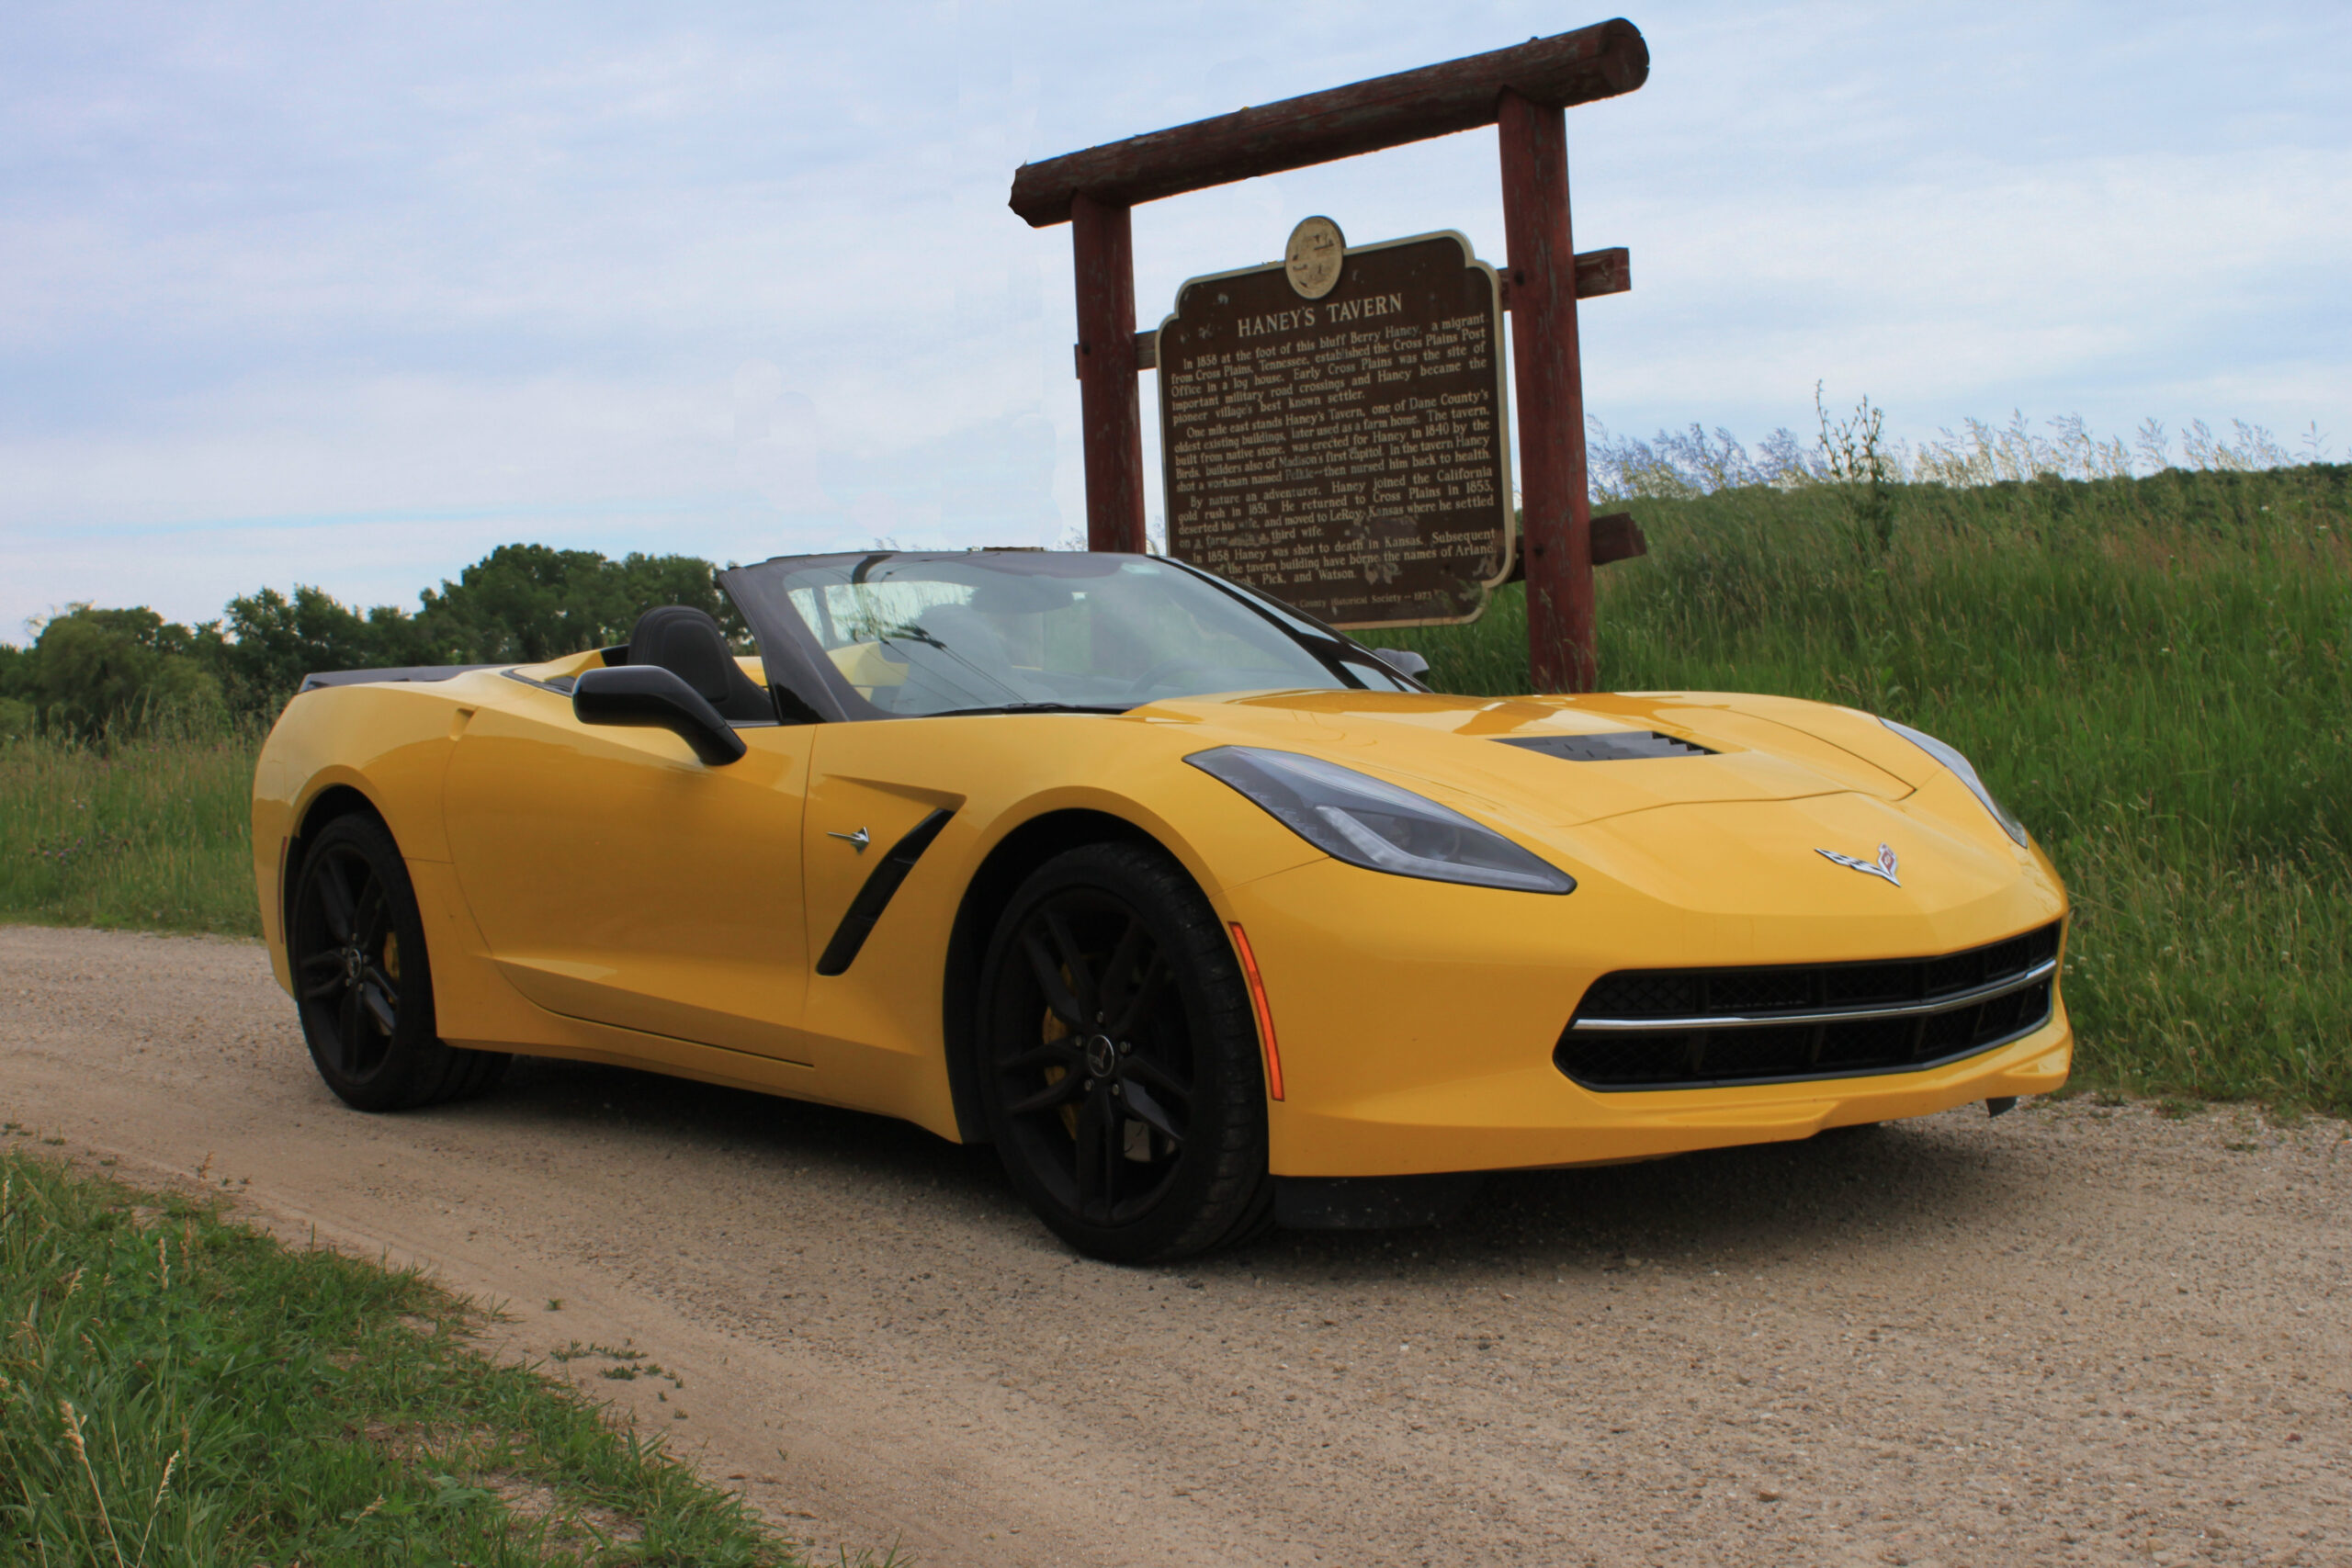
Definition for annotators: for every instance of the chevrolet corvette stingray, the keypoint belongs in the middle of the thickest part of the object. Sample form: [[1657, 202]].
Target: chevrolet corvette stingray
[[1204, 915]]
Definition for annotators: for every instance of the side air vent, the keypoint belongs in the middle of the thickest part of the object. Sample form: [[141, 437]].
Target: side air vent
[[1618, 748]]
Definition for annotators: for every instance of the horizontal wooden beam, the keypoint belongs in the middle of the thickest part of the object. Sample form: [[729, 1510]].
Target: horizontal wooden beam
[[1604, 272], [1147, 352], [1615, 536], [1598, 62], [1598, 273]]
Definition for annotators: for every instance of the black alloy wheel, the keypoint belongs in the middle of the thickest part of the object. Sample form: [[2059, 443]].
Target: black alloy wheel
[[355, 945], [1119, 1062]]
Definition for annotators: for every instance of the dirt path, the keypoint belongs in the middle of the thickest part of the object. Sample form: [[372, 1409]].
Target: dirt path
[[2072, 1335]]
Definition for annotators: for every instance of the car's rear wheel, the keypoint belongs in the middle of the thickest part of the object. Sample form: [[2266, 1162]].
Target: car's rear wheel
[[362, 981], [1119, 1063]]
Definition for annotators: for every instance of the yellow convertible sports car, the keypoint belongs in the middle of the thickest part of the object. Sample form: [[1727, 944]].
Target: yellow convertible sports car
[[1208, 917]]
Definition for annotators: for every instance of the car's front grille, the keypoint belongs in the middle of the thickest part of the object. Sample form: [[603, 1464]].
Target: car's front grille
[[1694, 1028]]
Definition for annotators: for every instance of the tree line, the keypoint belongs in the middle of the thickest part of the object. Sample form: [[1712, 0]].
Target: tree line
[[92, 670]]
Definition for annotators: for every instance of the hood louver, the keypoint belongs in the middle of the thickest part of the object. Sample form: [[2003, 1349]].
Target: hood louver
[[1621, 747]]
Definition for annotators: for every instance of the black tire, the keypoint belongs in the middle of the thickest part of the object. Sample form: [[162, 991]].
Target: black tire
[[362, 981], [1118, 1059]]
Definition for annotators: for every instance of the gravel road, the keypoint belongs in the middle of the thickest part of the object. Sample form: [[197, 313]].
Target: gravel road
[[2077, 1334]]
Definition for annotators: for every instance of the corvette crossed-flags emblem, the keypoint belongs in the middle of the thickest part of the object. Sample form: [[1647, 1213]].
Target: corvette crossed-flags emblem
[[1884, 866]]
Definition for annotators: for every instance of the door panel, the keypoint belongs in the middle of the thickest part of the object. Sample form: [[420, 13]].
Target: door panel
[[617, 879]]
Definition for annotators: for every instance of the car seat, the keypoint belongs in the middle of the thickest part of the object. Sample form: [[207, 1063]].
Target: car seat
[[688, 643]]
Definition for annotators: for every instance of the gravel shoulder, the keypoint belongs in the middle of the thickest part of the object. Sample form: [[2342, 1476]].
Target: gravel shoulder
[[2077, 1334]]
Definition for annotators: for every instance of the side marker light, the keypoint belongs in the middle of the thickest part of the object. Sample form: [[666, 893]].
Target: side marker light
[[1265, 1014]]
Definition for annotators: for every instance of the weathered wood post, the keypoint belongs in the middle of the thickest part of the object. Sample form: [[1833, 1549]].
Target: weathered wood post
[[1555, 538], [1102, 245]]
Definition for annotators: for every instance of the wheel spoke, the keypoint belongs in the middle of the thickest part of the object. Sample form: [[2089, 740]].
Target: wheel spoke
[[374, 910], [1156, 976], [1054, 1094], [1144, 1070], [323, 974], [1043, 963], [1118, 973], [381, 999], [1113, 1152], [1061, 1052], [1096, 1157], [335, 899], [346, 1032], [1082, 983], [1147, 1111]]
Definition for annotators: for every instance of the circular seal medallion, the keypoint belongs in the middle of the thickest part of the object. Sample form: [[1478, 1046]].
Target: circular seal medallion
[[1313, 257]]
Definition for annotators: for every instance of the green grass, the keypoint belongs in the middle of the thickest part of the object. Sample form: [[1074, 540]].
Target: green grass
[[2156, 673], [177, 1389], [148, 831]]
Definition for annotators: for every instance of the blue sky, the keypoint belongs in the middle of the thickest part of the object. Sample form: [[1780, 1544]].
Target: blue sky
[[347, 295]]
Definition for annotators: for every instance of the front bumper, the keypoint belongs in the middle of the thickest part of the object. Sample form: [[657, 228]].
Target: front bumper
[[1417, 1021]]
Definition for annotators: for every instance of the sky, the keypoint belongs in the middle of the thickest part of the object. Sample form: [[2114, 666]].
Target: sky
[[349, 295]]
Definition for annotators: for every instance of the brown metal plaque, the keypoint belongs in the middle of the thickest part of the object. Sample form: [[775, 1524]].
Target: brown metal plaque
[[1349, 453]]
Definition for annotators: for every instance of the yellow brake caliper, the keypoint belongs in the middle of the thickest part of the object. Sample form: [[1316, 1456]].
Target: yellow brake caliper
[[1057, 1030]]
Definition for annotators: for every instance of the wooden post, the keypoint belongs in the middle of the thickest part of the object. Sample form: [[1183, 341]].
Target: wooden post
[[1102, 241], [1555, 541]]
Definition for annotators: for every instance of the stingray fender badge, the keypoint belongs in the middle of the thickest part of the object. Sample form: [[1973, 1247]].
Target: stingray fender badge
[[1884, 866]]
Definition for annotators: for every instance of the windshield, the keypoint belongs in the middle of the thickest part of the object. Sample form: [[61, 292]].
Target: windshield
[[936, 634]]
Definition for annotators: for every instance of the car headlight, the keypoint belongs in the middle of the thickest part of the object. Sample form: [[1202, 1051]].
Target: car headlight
[[1966, 775], [1353, 818]]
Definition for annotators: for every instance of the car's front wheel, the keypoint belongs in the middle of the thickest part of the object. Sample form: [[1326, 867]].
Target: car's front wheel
[[355, 944], [1119, 1063]]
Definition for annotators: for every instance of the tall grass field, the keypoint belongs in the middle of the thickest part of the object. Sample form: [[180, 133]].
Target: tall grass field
[[149, 831], [2155, 672]]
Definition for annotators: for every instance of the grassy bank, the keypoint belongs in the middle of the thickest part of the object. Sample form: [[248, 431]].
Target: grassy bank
[[2156, 673], [175, 1389]]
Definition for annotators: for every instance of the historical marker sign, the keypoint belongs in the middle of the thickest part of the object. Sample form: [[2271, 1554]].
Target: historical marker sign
[[1347, 450]]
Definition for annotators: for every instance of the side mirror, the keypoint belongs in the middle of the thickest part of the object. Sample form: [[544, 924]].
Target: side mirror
[[647, 696], [1412, 666]]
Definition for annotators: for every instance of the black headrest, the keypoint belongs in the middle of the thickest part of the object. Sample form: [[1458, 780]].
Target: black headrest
[[689, 645]]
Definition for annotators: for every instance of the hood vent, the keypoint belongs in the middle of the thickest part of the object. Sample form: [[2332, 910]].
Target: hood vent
[[1622, 745]]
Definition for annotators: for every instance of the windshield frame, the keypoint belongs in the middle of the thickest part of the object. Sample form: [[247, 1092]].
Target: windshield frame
[[807, 681]]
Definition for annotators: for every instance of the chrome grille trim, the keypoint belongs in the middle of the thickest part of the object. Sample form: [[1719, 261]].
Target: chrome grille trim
[[2041, 971]]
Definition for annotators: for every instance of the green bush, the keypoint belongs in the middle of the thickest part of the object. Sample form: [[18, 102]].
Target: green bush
[[92, 669]]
